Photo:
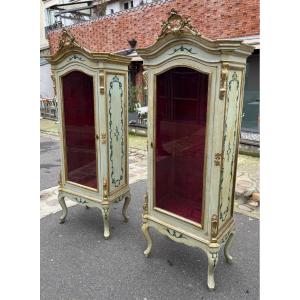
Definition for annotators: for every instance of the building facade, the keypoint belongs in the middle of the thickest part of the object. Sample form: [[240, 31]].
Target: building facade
[[124, 21]]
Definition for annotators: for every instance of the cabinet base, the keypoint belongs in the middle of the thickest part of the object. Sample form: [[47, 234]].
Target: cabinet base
[[104, 206], [211, 249]]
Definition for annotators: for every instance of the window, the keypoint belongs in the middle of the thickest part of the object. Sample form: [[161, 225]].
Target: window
[[111, 11], [128, 5]]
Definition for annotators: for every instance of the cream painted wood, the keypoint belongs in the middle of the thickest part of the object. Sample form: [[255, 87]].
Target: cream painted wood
[[72, 57], [224, 62]]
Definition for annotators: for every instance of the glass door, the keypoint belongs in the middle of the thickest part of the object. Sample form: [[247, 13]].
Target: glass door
[[181, 102], [79, 129]]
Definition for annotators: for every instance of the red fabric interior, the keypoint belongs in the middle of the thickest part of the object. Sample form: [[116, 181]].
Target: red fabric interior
[[78, 99], [180, 141]]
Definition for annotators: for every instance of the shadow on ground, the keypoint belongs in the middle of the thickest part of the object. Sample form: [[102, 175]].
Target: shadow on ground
[[77, 263]]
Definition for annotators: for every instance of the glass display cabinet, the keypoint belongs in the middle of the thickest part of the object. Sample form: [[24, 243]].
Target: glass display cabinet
[[92, 95], [195, 96]]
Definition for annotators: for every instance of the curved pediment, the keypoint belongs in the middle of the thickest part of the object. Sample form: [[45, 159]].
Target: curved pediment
[[71, 50], [178, 34]]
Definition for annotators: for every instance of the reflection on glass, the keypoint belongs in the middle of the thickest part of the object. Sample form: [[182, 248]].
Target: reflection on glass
[[78, 101], [180, 141]]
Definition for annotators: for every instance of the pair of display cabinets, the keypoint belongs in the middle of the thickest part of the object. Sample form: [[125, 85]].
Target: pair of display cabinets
[[195, 95]]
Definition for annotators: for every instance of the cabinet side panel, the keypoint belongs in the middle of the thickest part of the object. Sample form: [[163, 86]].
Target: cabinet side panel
[[116, 108], [231, 124]]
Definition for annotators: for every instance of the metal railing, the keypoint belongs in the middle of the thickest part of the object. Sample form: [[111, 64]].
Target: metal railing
[[49, 108]]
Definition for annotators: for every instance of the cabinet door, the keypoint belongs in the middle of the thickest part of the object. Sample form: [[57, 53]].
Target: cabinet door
[[180, 126], [80, 158], [117, 122]]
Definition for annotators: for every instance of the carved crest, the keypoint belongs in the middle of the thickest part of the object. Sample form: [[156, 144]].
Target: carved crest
[[176, 24], [67, 40]]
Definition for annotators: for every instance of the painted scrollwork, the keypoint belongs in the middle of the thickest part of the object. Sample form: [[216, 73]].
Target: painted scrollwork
[[176, 24], [175, 234]]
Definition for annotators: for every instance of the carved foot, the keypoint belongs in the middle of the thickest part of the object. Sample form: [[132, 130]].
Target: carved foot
[[86, 207], [105, 215], [125, 206], [212, 263], [227, 247], [145, 229], [61, 200]]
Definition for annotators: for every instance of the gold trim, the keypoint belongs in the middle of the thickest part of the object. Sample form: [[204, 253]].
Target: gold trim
[[101, 83], [105, 189], [214, 228], [67, 40], [223, 80]]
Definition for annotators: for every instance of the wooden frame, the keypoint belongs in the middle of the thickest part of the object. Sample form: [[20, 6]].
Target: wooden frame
[[225, 62], [72, 57]]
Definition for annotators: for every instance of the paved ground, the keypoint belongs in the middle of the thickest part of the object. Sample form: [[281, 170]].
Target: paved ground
[[49, 161], [77, 263]]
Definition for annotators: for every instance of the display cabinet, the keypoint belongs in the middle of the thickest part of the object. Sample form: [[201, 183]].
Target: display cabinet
[[195, 96], [91, 90]]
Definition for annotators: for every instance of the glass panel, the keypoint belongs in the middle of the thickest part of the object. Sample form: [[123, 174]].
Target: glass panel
[[180, 141], [78, 100]]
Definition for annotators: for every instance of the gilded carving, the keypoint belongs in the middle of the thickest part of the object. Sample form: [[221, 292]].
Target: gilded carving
[[105, 189], [67, 40], [214, 228], [145, 80], [101, 79], [223, 84], [176, 24]]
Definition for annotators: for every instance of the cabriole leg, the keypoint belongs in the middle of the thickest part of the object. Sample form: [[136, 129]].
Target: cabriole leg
[[125, 206], [212, 263], [105, 215], [61, 200], [145, 229], [227, 247]]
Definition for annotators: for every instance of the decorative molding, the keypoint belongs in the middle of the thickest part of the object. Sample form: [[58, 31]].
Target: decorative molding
[[223, 84], [214, 256], [74, 57], [116, 181], [182, 49], [228, 140], [214, 228], [176, 24], [105, 189], [101, 80]]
